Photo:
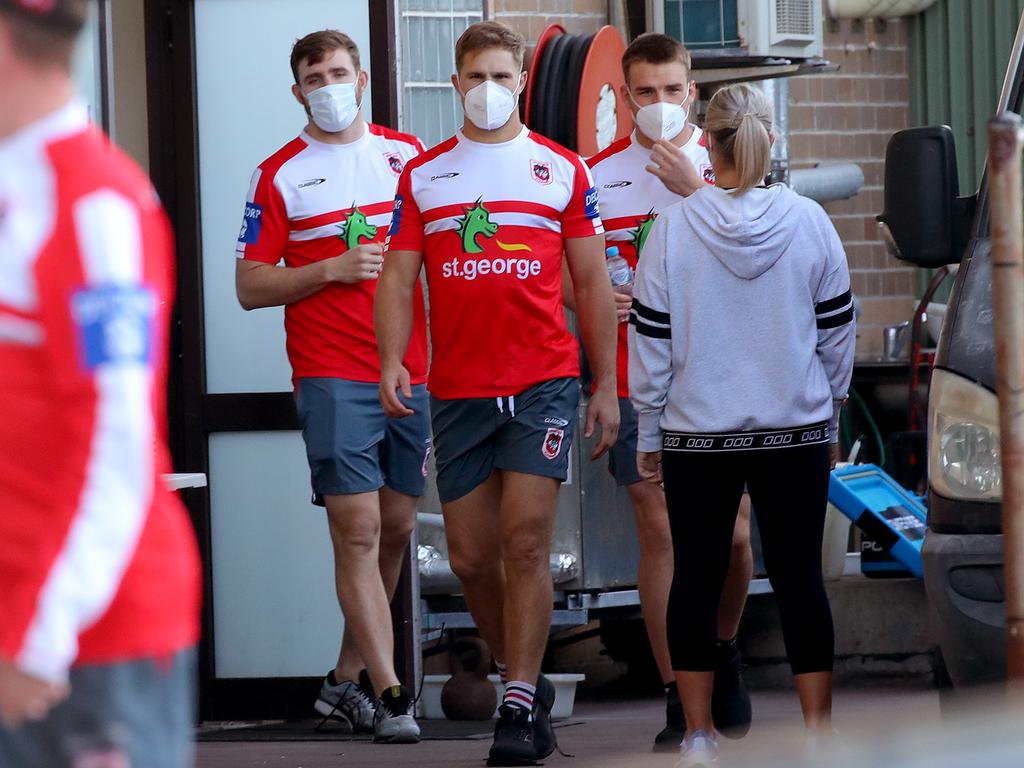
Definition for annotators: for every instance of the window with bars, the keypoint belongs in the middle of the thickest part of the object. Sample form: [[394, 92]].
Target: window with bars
[[702, 23], [430, 106]]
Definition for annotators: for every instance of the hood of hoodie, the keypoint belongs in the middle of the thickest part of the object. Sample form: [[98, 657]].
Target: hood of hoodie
[[747, 233]]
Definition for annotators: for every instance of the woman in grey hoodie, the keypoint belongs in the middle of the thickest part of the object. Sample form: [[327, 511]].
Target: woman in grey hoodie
[[740, 353]]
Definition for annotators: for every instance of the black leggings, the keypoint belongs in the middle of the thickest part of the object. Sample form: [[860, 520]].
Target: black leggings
[[788, 490]]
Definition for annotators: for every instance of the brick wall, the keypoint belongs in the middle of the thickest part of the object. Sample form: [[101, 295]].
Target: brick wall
[[849, 116], [529, 17]]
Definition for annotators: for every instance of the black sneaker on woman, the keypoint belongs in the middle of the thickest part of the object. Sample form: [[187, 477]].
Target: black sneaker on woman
[[672, 735], [730, 702]]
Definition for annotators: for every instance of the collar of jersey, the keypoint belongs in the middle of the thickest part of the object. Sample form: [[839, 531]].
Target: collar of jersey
[[72, 118], [338, 147], [513, 142], [694, 137]]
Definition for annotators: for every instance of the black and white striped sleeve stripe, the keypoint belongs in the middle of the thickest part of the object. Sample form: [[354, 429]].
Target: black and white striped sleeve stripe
[[650, 322], [833, 312]]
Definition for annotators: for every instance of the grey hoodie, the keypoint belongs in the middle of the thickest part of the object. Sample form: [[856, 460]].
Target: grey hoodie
[[742, 317]]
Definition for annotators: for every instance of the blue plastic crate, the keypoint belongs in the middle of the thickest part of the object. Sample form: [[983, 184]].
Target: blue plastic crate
[[882, 509]]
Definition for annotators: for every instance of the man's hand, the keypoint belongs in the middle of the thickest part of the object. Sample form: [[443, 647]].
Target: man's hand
[[391, 382], [833, 454], [674, 169], [603, 410], [364, 262], [649, 467], [623, 303], [26, 697]]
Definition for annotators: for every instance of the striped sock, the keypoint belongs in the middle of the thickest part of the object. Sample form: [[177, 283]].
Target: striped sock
[[519, 694], [502, 671]]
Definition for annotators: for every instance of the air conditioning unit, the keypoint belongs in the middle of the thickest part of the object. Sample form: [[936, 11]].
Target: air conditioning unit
[[780, 28]]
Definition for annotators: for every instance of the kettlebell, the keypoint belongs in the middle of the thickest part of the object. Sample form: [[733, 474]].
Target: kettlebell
[[468, 694]]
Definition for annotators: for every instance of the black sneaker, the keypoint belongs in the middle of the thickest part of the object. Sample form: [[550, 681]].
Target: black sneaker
[[730, 702], [672, 735], [393, 722], [544, 731], [513, 738]]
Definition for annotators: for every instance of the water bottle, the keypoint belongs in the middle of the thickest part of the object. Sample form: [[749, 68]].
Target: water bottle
[[619, 271]]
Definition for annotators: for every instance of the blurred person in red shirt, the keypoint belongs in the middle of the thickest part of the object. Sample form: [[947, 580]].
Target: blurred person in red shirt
[[99, 574]]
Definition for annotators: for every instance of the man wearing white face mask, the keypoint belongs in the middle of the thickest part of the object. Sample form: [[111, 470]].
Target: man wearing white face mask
[[633, 191], [489, 212], [323, 204]]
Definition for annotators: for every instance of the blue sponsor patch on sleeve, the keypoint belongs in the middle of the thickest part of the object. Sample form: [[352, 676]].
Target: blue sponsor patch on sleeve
[[396, 216], [590, 206], [252, 220], [114, 324]]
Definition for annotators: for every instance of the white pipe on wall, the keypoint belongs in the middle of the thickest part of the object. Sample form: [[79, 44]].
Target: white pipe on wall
[[826, 183]]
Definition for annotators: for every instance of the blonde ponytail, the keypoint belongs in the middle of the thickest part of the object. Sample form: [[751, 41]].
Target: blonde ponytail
[[739, 120]]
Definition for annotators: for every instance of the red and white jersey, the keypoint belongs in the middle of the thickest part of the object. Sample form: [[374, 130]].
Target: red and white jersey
[[98, 562], [490, 221], [631, 198], [310, 201]]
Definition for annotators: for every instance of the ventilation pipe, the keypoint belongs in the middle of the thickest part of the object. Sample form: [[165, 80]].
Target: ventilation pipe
[[825, 183]]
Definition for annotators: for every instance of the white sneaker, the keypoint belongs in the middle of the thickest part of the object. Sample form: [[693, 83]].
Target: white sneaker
[[820, 744], [698, 749], [393, 722], [347, 703]]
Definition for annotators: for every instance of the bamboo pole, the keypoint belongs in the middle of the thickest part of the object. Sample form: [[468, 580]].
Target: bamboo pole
[[1006, 138]]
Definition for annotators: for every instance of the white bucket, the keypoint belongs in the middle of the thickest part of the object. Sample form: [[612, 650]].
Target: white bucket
[[834, 544]]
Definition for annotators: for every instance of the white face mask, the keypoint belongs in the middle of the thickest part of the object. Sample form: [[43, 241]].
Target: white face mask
[[489, 105], [333, 107], [662, 120]]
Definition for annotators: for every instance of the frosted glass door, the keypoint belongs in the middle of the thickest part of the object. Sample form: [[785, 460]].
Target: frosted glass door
[[246, 113]]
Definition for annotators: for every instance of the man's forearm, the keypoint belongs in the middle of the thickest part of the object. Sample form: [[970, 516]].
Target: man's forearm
[[598, 329], [392, 318], [568, 289], [273, 286]]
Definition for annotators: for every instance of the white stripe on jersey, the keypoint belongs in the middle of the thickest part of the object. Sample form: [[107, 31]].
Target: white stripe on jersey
[[119, 476], [511, 219], [18, 330], [522, 169], [334, 230]]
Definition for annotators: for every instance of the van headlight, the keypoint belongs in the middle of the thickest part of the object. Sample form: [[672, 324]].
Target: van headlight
[[963, 440]]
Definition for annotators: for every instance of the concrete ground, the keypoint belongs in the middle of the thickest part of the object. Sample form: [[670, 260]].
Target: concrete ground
[[887, 724]]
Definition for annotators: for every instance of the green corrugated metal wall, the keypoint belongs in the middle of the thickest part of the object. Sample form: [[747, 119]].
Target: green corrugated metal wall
[[958, 55]]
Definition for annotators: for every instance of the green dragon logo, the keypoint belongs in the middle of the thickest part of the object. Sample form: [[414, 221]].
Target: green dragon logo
[[642, 231], [355, 229], [476, 222]]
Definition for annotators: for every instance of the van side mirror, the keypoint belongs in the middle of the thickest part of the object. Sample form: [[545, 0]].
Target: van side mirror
[[924, 222]]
